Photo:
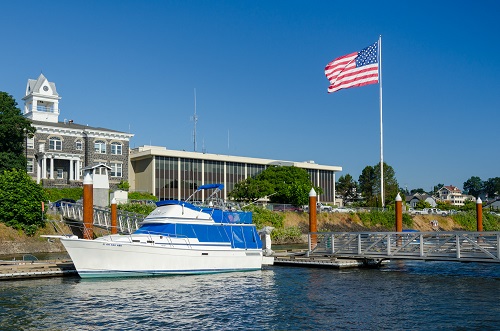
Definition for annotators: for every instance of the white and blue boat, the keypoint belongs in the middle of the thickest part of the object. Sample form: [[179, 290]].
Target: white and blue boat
[[178, 237]]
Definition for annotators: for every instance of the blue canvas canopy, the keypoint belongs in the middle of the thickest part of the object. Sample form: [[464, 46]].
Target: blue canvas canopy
[[210, 186]]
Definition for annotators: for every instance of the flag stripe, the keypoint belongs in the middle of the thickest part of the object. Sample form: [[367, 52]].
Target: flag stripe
[[354, 69], [355, 72], [356, 83]]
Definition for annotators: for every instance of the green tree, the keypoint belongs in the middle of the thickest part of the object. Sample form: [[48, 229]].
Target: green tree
[[369, 182], [14, 128], [473, 186], [123, 185], [391, 186], [422, 204], [436, 188], [492, 187], [21, 201], [367, 185], [280, 184], [251, 190], [417, 190], [347, 188]]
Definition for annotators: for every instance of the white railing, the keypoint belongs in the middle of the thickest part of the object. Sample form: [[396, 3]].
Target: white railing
[[126, 222], [443, 246], [45, 109]]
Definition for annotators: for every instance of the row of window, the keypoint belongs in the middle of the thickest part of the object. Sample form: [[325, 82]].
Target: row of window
[[55, 144], [116, 169]]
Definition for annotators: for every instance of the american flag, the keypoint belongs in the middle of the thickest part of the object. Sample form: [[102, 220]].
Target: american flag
[[352, 70]]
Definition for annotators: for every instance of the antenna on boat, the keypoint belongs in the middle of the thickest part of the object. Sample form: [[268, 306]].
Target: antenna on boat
[[194, 118]]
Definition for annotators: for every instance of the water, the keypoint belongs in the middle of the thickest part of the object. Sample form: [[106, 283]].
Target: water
[[401, 296]]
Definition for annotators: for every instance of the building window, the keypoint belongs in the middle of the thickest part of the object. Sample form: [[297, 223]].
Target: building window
[[116, 148], [55, 144], [30, 143], [79, 145], [100, 147], [116, 170], [30, 167], [60, 173]]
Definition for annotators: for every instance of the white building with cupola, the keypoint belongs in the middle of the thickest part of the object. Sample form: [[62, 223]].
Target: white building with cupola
[[60, 150]]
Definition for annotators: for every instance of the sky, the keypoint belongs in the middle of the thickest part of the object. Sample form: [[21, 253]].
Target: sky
[[257, 70]]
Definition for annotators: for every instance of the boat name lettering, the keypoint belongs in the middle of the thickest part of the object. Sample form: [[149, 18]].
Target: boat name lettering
[[115, 245]]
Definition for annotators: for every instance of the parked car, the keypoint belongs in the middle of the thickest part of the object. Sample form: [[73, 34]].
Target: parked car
[[343, 210], [58, 203], [436, 211], [320, 207]]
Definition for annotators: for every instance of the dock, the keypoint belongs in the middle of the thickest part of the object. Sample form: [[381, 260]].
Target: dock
[[10, 270], [301, 259], [17, 270]]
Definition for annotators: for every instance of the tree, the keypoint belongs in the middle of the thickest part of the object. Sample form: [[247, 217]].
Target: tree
[[347, 187], [251, 190], [281, 184], [14, 128], [422, 204], [437, 188], [21, 198], [369, 182], [492, 187], [367, 185], [417, 190], [473, 186], [123, 185]]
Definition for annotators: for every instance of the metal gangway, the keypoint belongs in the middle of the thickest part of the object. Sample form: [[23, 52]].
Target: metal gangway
[[431, 246], [127, 222]]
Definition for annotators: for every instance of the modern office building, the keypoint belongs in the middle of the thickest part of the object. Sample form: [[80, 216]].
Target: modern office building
[[59, 151], [172, 174]]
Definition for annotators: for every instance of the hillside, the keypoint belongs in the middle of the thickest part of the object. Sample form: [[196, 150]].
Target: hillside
[[16, 242], [347, 222]]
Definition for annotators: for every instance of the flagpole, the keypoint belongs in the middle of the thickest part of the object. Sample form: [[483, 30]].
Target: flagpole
[[381, 126]]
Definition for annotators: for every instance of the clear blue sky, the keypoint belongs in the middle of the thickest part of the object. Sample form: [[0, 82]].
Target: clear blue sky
[[258, 71]]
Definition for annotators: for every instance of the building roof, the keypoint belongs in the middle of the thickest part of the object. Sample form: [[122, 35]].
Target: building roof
[[69, 124], [149, 151], [34, 85], [419, 196], [451, 188]]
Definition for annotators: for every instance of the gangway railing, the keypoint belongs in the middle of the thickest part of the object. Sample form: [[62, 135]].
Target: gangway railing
[[437, 246], [127, 222]]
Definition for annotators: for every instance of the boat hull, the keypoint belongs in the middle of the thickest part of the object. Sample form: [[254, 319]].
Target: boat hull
[[95, 258]]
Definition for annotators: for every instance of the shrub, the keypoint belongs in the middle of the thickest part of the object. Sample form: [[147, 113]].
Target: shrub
[[384, 219], [21, 201], [54, 194], [141, 196], [137, 208], [263, 217], [290, 234]]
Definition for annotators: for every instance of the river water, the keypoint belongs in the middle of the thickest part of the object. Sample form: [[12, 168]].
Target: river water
[[400, 296]]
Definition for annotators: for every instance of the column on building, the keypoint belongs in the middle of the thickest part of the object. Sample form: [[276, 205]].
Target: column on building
[[52, 168]]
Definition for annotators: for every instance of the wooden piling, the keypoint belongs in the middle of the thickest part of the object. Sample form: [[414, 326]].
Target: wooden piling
[[114, 226], [399, 213], [313, 224], [88, 207], [479, 214]]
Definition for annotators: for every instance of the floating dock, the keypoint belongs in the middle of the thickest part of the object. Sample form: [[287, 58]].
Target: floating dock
[[301, 259], [36, 269]]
